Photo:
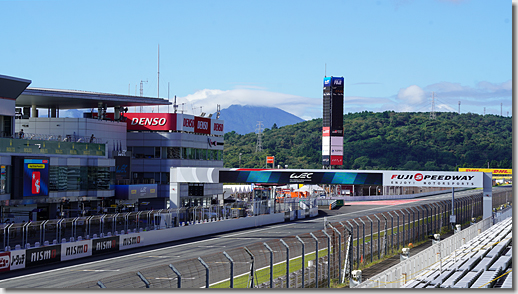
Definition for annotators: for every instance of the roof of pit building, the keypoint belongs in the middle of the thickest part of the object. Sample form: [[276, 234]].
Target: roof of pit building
[[75, 99]]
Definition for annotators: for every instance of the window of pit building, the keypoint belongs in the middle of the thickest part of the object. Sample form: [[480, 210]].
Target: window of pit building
[[145, 152], [173, 152], [99, 178]]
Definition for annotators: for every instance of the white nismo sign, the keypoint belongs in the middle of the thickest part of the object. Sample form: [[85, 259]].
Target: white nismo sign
[[433, 179]]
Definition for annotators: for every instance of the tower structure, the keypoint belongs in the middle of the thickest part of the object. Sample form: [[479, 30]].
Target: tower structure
[[333, 122], [259, 146], [432, 113]]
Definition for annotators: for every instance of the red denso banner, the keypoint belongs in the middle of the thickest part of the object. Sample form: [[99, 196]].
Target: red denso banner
[[202, 125], [151, 121]]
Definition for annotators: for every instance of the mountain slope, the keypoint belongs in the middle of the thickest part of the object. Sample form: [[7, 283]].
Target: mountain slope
[[385, 140], [244, 119]]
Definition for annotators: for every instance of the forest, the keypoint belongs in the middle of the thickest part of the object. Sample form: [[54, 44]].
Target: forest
[[384, 141]]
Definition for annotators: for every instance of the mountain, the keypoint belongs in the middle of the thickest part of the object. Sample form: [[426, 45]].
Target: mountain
[[244, 119], [385, 140]]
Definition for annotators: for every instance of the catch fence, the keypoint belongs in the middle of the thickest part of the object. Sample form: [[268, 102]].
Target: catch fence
[[319, 259]]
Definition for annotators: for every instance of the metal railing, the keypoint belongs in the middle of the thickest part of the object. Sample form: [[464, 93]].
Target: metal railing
[[56, 231], [59, 138]]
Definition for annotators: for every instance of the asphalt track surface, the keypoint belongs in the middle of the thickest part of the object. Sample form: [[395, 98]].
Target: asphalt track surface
[[73, 272]]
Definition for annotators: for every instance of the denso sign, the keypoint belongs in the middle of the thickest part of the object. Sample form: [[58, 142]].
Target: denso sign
[[202, 125], [151, 121]]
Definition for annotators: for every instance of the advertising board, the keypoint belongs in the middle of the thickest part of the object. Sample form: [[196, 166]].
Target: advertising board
[[325, 158], [336, 160], [5, 261], [73, 250], [337, 150], [35, 177], [12, 260], [127, 241], [495, 171], [302, 177], [432, 179], [105, 245], [42, 255], [326, 132], [217, 127], [270, 159], [151, 121], [202, 125], [185, 123]]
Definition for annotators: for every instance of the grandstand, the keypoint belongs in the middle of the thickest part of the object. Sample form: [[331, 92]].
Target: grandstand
[[483, 262], [479, 256]]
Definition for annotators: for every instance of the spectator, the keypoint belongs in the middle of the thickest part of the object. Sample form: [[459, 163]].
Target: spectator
[[21, 134], [92, 138]]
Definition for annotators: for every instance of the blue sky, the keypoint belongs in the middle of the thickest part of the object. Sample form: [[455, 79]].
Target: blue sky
[[392, 53]]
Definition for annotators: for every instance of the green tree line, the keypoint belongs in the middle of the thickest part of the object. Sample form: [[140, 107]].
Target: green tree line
[[384, 140]]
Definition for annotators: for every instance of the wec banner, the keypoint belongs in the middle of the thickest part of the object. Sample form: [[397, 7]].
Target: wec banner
[[433, 179]]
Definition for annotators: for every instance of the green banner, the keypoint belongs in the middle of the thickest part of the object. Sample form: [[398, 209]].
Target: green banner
[[40, 147]]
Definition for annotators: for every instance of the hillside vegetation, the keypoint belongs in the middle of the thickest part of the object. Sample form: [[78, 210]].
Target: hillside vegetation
[[385, 140]]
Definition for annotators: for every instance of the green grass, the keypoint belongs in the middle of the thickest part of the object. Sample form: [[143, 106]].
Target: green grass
[[279, 270]]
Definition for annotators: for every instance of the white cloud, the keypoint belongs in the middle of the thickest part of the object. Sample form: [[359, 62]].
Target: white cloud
[[208, 99], [411, 96]]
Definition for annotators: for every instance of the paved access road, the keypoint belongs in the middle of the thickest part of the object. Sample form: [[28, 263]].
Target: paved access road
[[75, 272]]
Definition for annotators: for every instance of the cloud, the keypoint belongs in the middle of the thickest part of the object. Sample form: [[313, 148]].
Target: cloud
[[208, 99], [481, 92], [411, 95]]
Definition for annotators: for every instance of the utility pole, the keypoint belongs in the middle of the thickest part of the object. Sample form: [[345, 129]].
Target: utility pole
[[459, 107], [501, 109], [484, 111]]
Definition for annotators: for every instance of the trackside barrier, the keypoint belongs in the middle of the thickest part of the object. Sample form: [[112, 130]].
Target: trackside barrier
[[418, 264], [136, 230]]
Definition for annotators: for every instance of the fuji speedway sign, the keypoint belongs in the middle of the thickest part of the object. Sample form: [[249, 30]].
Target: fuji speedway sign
[[433, 179]]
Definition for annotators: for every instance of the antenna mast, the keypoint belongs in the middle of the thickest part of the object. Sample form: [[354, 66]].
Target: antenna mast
[[175, 106], [142, 90], [158, 75]]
